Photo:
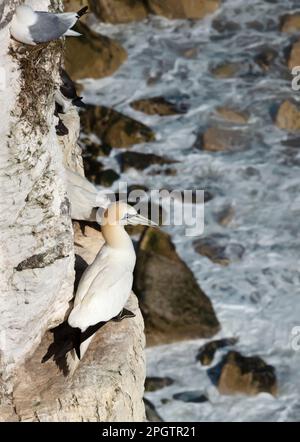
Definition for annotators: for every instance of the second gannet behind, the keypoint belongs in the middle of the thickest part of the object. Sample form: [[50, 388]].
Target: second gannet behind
[[84, 197]]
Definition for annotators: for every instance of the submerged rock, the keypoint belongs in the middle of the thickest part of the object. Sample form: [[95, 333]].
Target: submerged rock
[[92, 55], [177, 9], [196, 397], [291, 142], [232, 115], [113, 128], [155, 383], [218, 249], [225, 26], [141, 161], [265, 58], [239, 374], [173, 305], [288, 116], [207, 352], [225, 215], [158, 106], [119, 11], [217, 139], [226, 70], [106, 177]]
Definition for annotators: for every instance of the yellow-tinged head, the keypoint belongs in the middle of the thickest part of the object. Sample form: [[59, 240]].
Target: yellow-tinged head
[[120, 213]]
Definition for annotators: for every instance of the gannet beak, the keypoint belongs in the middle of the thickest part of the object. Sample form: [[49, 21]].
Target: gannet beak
[[141, 220]]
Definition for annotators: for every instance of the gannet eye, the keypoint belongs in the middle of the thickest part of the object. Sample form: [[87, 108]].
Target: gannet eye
[[128, 216]]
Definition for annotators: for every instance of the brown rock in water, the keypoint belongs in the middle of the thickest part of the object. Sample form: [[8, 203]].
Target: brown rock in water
[[232, 115], [207, 352], [290, 23], [92, 55], [177, 9], [95, 150], [141, 161], [292, 142], [225, 26], [225, 215], [294, 57], [106, 177], [174, 306], [218, 249], [288, 116], [119, 11], [265, 58], [220, 139], [226, 70], [92, 167], [248, 375], [157, 106], [113, 128], [156, 383]]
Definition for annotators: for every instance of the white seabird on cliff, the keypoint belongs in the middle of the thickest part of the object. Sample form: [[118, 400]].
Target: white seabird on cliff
[[105, 285], [84, 197], [34, 27]]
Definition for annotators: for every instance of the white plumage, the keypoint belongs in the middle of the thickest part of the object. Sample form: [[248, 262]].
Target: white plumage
[[33, 27], [106, 284], [84, 197], [104, 288]]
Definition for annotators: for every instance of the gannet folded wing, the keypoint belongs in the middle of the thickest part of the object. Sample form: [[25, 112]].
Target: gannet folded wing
[[95, 307], [104, 298], [85, 198]]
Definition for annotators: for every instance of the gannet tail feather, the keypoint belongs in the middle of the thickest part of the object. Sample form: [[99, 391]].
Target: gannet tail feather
[[67, 338], [82, 11], [78, 102]]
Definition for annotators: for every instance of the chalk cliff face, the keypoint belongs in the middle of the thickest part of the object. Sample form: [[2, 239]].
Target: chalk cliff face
[[36, 233], [37, 251]]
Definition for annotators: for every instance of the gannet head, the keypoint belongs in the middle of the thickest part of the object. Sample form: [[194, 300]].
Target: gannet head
[[25, 15], [120, 213]]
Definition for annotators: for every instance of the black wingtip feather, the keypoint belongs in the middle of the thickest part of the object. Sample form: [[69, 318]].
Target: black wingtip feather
[[82, 11]]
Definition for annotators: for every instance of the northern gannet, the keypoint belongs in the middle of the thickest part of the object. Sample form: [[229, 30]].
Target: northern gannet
[[34, 27], [84, 197], [105, 285]]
